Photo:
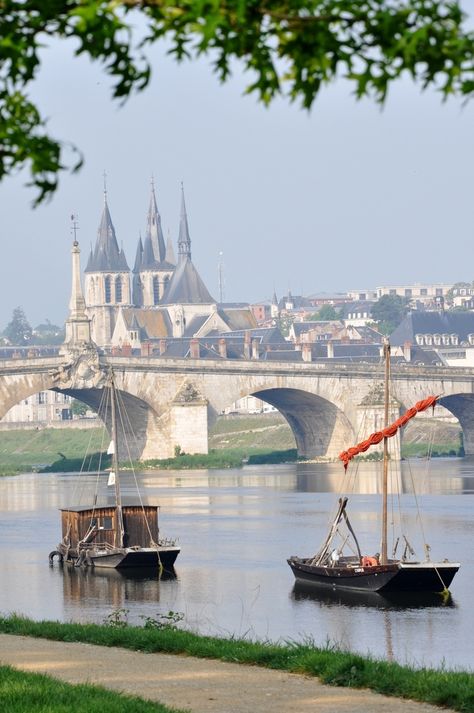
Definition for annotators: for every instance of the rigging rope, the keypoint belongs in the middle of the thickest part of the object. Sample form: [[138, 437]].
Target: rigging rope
[[378, 436]]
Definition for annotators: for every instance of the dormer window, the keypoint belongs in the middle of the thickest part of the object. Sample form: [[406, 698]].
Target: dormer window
[[446, 339], [428, 340], [454, 339], [419, 339], [437, 339], [471, 339]]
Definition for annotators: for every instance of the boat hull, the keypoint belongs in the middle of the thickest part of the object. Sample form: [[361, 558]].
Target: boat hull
[[367, 579], [392, 577], [124, 558]]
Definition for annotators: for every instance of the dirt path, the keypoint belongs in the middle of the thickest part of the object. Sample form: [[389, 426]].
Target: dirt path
[[198, 685]]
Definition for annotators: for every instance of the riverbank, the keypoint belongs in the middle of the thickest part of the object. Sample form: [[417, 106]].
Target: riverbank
[[210, 674], [233, 441]]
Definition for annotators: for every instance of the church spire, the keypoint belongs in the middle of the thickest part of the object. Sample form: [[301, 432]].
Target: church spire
[[78, 325], [153, 228], [170, 258], [106, 256], [184, 241]]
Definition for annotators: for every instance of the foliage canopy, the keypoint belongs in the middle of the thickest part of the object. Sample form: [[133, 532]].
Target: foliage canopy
[[389, 311], [325, 313], [290, 47], [18, 331]]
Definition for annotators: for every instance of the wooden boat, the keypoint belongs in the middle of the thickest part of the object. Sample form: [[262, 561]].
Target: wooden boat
[[116, 535], [332, 567]]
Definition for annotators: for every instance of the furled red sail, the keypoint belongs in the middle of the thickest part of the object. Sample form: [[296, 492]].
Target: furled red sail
[[388, 432]]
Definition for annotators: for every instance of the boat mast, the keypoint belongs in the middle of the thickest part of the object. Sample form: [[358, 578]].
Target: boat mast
[[383, 549], [115, 463]]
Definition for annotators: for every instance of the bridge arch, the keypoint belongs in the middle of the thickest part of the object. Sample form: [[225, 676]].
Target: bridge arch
[[132, 428], [319, 427]]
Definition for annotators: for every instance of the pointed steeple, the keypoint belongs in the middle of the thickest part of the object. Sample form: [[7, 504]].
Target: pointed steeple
[[170, 258], [138, 255], [184, 241], [153, 227], [106, 256], [149, 261]]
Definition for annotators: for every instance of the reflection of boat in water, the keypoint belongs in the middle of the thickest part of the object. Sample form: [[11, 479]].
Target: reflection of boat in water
[[352, 598], [340, 564], [116, 587], [114, 536]]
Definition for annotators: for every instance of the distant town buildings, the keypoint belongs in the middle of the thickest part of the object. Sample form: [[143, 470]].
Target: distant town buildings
[[161, 307], [44, 407]]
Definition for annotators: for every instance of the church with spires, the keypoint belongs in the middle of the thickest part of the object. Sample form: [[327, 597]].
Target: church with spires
[[162, 298]]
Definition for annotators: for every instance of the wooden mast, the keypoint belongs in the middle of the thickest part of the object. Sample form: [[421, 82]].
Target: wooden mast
[[115, 464], [383, 550]]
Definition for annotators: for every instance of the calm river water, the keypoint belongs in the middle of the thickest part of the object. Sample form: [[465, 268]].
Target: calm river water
[[236, 528]]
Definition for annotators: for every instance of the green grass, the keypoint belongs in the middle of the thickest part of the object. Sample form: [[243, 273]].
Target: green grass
[[232, 458], [24, 451], [233, 441], [418, 450], [453, 689], [22, 692]]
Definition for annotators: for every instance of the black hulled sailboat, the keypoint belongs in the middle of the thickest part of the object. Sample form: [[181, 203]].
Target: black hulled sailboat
[[331, 567]]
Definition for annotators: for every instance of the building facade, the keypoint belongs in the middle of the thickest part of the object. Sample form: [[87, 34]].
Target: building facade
[[162, 297]]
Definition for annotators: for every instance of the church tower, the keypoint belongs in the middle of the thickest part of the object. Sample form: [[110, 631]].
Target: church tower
[[78, 324], [152, 271], [186, 295], [107, 280]]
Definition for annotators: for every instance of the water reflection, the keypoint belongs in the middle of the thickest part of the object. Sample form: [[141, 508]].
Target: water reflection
[[400, 601], [116, 587], [236, 530]]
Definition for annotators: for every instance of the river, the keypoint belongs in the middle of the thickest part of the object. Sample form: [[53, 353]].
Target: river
[[236, 528]]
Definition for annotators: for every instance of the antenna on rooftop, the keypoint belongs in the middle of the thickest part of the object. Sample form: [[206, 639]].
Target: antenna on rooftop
[[220, 277]]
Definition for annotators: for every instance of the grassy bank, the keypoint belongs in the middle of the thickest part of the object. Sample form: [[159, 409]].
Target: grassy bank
[[233, 441], [22, 692], [31, 450], [454, 689]]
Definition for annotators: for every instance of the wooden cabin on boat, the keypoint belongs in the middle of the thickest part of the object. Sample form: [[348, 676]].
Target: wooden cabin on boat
[[100, 525]]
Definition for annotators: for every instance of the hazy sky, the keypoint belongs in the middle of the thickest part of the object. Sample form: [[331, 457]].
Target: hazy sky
[[348, 196]]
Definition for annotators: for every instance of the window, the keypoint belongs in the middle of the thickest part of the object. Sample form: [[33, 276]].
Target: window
[[156, 290], [437, 339], [118, 289], [108, 289], [419, 339], [408, 292], [42, 397], [423, 292], [105, 523], [439, 292], [392, 292]]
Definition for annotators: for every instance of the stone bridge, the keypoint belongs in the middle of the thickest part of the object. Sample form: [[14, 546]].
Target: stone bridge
[[172, 403]]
